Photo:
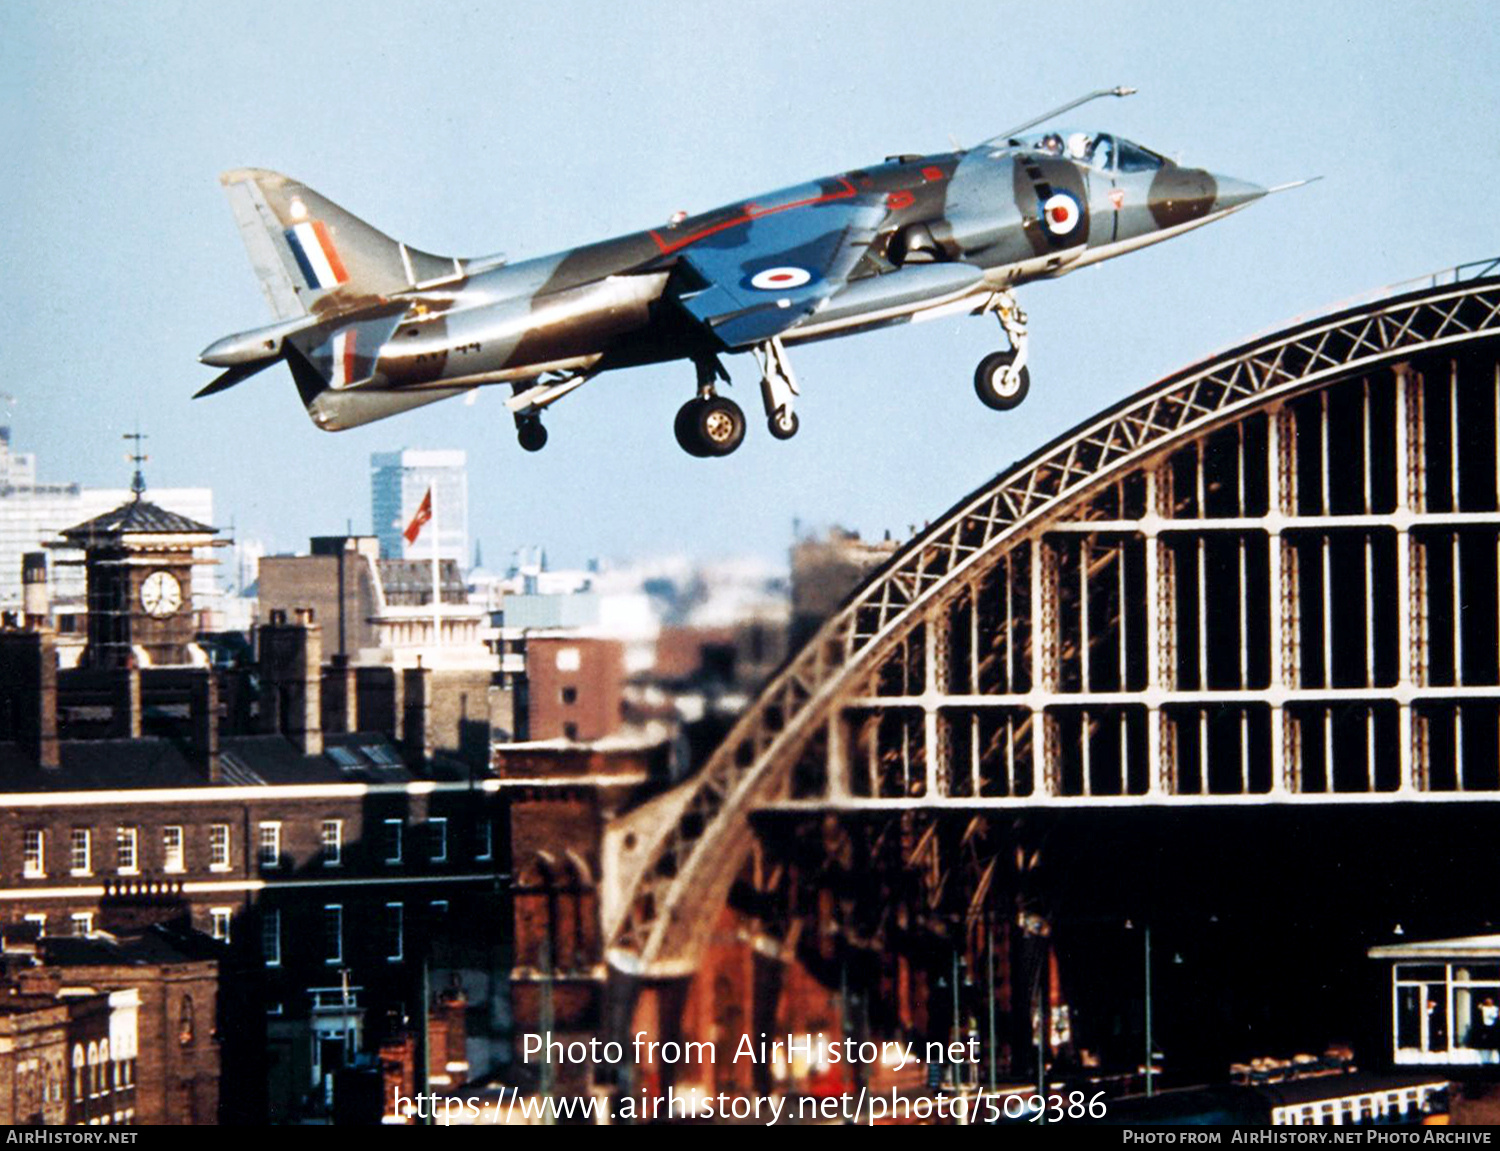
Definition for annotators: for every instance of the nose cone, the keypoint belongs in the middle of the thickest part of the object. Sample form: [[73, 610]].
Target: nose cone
[[1232, 193]]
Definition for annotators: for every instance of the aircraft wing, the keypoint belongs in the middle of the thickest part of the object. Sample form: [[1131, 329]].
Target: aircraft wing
[[755, 278]]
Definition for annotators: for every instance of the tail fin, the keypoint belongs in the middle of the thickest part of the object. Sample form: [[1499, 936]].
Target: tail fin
[[312, 256]]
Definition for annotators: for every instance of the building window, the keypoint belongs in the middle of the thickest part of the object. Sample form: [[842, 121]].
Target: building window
[[218, 847], [270, 845], [333, 933], [185, 1022], [38, 919], [82, 923], [437, 911], [569, 694], [171, 849], [394, 932], [393, 840], [437, 831], [34, 854], [569, 659], [80, 853], [570, 732], [127, 850], [220, 917], [333, 842], [484, 840], [270, 936]]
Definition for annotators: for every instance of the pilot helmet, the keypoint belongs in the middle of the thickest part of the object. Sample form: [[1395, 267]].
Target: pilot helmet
[[1052, 142], [1078, 145]]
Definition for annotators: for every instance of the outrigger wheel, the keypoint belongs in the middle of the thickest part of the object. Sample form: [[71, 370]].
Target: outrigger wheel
[[709, 426], [531, 433]]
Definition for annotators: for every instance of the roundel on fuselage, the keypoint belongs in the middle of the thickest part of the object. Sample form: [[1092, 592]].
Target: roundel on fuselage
[[1061, 213]]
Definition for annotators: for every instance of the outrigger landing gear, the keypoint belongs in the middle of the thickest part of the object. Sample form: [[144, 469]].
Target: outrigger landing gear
[[529, 398], [778, 388], [531, 433], [709, 424], [1002, 379]]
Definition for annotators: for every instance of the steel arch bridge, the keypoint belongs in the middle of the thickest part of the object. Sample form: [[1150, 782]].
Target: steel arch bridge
[[1241, 585]]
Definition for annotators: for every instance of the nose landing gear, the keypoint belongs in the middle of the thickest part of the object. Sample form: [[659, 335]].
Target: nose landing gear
[[1002, 379]]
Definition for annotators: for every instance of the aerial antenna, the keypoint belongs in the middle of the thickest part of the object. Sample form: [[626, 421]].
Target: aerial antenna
[[1058, 111], [137, 481]]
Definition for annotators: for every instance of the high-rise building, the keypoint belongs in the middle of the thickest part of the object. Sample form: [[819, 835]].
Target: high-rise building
[[398, 483]]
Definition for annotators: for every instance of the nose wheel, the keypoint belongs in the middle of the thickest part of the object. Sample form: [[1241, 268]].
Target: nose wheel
[[1002, 379], [999, 383]]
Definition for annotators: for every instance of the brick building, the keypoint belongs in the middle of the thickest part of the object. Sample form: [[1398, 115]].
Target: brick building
[[33, 1059], [575, 687], [558, 801], [307, 815]]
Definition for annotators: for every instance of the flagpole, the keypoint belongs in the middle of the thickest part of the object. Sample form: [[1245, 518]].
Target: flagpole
[[437, 598]]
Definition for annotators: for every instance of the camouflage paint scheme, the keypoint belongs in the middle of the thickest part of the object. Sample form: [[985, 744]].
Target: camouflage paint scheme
[[370, 327]]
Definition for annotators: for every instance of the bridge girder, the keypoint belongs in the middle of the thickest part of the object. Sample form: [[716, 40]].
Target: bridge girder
[[1112, 545]]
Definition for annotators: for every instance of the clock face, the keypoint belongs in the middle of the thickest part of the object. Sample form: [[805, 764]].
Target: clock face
[[161, 594]]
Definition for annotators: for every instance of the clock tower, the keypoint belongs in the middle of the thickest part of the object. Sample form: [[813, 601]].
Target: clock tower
[[139, 563]]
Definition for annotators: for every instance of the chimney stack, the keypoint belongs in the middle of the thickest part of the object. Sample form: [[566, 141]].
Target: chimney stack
[[291, 671], [416, 713], [34, 599], [125, 688], [205, 723], [28, 691]]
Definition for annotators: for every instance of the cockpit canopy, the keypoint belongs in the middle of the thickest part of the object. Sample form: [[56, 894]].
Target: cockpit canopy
[[1099, 150]]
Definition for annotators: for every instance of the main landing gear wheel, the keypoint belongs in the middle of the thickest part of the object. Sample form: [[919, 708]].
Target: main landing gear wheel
[[999, 384], [784, 425], [682, 428], [532, 434], [714, 426]]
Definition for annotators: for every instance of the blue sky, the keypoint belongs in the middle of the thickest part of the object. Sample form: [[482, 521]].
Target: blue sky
[[528, 127]]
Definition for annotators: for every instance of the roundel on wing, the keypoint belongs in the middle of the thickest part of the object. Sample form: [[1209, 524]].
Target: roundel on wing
[[1061, 213], [780, 279]]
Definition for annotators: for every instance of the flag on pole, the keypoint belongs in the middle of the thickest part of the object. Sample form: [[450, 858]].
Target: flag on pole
[[424, 513]]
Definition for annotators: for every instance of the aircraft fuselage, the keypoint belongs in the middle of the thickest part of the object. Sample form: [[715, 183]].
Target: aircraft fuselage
[[914, 236]]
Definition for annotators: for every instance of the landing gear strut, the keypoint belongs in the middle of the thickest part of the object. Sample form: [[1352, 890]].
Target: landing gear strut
[[1002, 379], [778, 388], [709, 424]]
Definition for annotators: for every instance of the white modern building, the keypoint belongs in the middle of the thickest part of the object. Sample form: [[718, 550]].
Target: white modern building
[[398, 483], [32, 514]]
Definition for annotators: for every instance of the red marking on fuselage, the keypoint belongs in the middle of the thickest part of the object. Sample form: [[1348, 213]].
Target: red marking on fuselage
[[900, 199], [748, 212], [932, 173]]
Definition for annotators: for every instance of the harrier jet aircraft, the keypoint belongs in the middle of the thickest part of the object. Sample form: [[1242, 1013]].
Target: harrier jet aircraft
[[371, 327]]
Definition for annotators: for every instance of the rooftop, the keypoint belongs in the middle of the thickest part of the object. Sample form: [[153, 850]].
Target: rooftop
[[135, 517]]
